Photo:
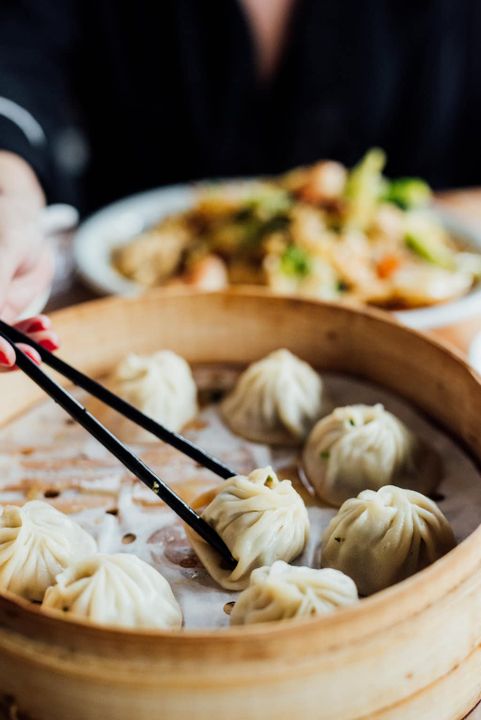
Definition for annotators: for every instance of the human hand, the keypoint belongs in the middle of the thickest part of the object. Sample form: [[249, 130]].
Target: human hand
[[39, 329], [26, 262]]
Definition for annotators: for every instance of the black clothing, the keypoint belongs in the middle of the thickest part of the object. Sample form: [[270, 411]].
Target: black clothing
[[167, 91]]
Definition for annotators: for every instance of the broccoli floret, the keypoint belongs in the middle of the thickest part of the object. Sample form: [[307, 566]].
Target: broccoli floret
[[408, 193], [295, 262]]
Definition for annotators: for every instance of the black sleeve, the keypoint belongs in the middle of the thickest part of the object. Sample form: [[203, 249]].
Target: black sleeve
[[37, 44], [468, 150]]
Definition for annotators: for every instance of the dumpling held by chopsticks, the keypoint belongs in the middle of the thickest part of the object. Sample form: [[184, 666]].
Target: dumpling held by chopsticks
[[260, 518]]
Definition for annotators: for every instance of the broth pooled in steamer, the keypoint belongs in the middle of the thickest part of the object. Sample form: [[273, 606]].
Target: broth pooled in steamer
[[283, 591], [276, 400], [383, 537], [260, 518], [119, 590], [363, 447], [36, 543]]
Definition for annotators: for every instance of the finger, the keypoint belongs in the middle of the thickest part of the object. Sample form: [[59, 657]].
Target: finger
[[47, 339], [30, 352], [25, 288], [38, 328], [7, 354], [34, 324], [9, 314]]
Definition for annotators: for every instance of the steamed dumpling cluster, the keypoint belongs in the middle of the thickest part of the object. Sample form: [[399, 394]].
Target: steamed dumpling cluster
[[361, 447], [355, 449], [160, 385], [359, 457], [276, 400], [283, 591], [380, 538], [46, 556], [119, 590], [37, 542], [260, 518]]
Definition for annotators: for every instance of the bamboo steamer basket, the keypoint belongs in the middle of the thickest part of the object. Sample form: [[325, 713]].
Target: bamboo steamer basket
[[410, 652]]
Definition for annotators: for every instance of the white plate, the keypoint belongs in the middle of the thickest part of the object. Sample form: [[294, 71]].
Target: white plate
[[116, 224]]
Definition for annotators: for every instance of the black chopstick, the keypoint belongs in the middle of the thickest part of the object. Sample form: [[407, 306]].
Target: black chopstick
[[121, 452], [124, 408]]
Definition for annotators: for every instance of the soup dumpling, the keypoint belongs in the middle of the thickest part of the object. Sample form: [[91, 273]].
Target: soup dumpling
[[275, 401], [260, 518], [36, 543], [117, 590], [361, 447], [283, 591], [160, 385], [383, 537]]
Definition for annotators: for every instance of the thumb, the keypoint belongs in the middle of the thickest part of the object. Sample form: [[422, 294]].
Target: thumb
[[7, 354]]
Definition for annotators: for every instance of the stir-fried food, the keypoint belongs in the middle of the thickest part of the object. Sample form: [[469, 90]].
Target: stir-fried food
[[321, 231]]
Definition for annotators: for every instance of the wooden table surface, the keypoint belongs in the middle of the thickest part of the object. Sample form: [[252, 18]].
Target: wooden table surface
[[466, 204]]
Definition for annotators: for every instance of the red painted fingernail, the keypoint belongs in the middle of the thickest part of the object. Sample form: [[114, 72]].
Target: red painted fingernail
[[49, 344], [33, 356], [4, 359], [36, 326]]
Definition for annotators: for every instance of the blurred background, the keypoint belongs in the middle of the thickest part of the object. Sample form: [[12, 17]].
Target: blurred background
[[105, 99], [131, 96]]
